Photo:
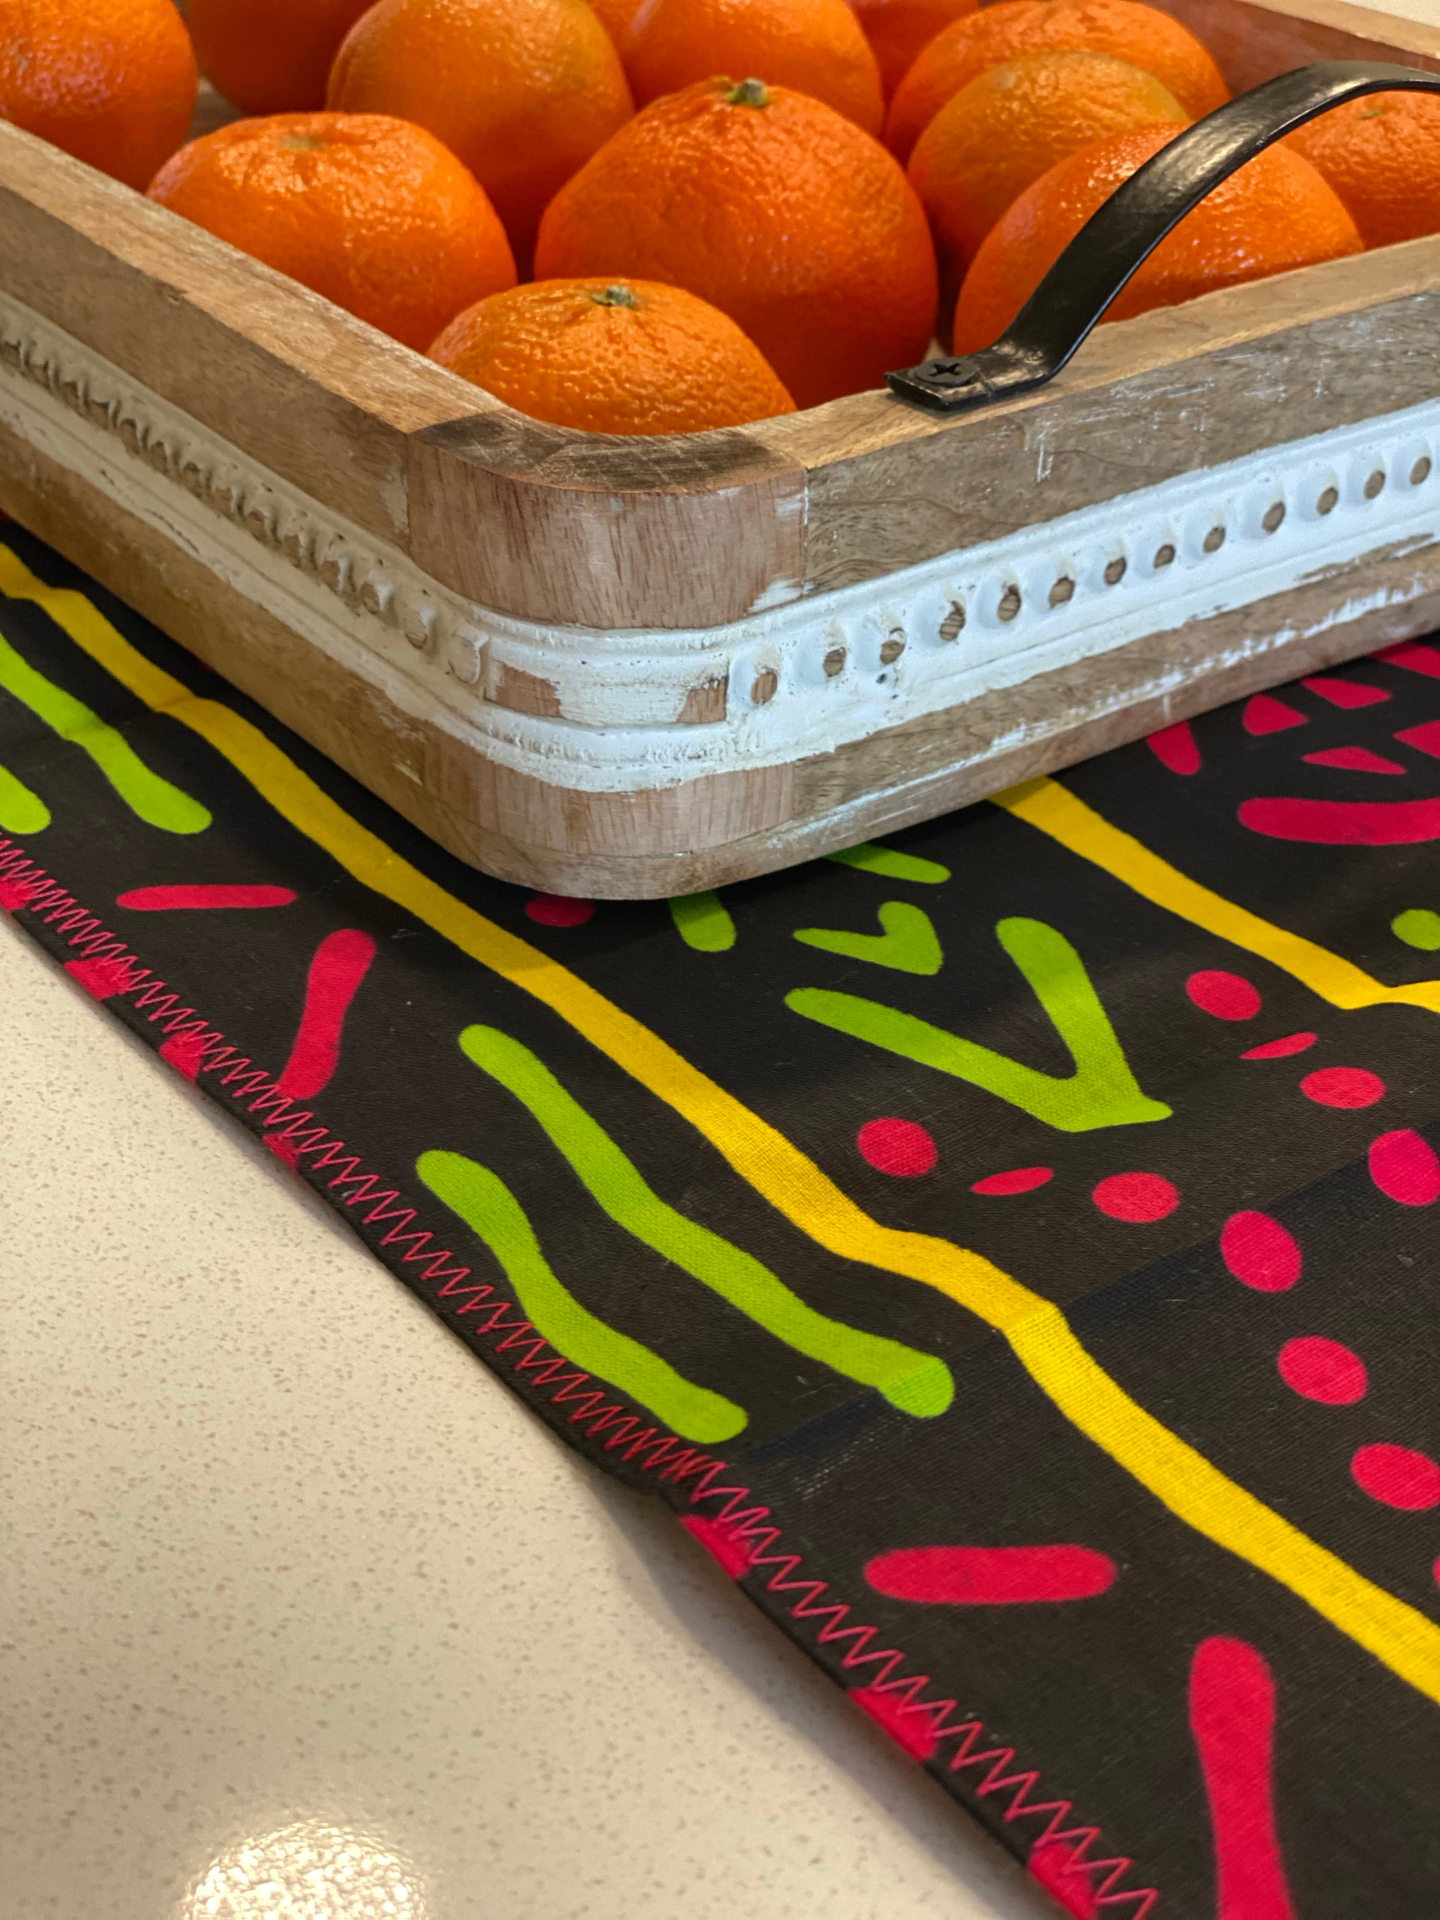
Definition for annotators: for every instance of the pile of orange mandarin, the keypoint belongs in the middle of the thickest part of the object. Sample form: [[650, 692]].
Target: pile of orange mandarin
[[658, 216]]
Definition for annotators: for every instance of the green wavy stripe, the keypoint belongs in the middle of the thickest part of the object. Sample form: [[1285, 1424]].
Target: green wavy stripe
[[491, 1211], [144, 792], [703, 922], [918, 1383], [21, 811]]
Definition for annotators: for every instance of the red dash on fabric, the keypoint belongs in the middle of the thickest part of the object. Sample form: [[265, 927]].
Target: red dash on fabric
[[1397, 1477], [1232, 1722], [1265, 714], [1018, 1180], [911, 1730], [1323, 1370], [1259, 1252], [1229, 996], [169, 899], [1278, 1049], [1344, 693], [991, 1576], [1343, 1087], [341, 962], [1413, 655], [1405, 1167], [1138, 1197], [1353, 760], [1344, 823], [556, 910], [1175, 748], [1425, 738]]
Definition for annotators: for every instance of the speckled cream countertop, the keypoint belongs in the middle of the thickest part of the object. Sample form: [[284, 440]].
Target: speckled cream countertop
[[323, 1626]]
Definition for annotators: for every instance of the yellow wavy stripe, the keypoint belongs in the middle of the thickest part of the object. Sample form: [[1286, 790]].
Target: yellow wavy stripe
[[1183, 1480], [1052, 808]]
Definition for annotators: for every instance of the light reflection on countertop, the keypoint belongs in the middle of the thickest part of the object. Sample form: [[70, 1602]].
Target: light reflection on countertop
[[307, 1871]]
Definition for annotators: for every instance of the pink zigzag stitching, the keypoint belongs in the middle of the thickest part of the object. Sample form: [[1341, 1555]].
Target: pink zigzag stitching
[[26, 886]]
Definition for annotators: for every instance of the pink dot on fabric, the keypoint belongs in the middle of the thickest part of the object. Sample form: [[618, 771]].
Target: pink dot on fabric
[[1397, 1476], [899, 1147], [1229, 996], [1277, 1049], [555, 910], [1140, 1197], [1323, 1370], [1018, 1180], [1175, 748], [1343, 1087], [1406, 1168], [1259, 1252], [1265, 714]]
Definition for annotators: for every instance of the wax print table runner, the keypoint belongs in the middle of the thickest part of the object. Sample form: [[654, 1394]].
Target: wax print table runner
[[1011, 1250]]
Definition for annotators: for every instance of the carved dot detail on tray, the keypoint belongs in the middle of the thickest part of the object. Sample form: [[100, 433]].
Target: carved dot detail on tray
[[1009, 605], [1259, 1252], [1228, 996], [1137, 1197], [1397, 1476], [1343, 1087], [1405, 1167], [1328, 501], [1164, 556], [556, 910], [1374, 486], [954, 622], [1323, 1370], [1420, 472], [1115, 573], [1063, 590], [1273, 517], [902, 1148], [1214, 540], [1017, 1180]]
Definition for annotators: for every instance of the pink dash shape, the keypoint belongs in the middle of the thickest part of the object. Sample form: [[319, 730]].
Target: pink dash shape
[[186, 1052], [341, 962], [102, 978], [1323, 1370], [1397, 1477], [1405, 1167], [991, 1576], [1175, 748], [1232, 1722], [1344, 693], [1139, 1197], [1229, 996], [1425, 738], [1055, 1865], [1265, 714], [1344, 823], [721, 1542], [1018, 1180], [555, 910], [1413, 655], [899, 1147], [1278, 1049], [1353, 760], [1343, 1087], [169, 899], [1259, 1252], [913, 1731]]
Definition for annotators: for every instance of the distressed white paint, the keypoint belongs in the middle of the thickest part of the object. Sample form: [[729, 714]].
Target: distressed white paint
[[368, 607]]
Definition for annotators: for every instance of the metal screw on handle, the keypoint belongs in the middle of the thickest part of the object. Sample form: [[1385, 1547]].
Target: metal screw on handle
[[1121, 235]]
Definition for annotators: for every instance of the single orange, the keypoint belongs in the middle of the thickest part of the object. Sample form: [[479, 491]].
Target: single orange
[[1011, 125], [522, 91], [370, 212], [270, 56], [1274, 214], [898, 29], [812, 46], [1381, 155], [1141, 36], [626, 356], [774, 208], [111, 81]]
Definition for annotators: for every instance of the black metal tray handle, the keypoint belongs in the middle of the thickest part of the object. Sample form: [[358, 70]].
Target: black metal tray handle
[[1117, 239]]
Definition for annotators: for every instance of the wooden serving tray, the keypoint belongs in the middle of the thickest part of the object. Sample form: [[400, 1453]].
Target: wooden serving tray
[[632, 668]]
